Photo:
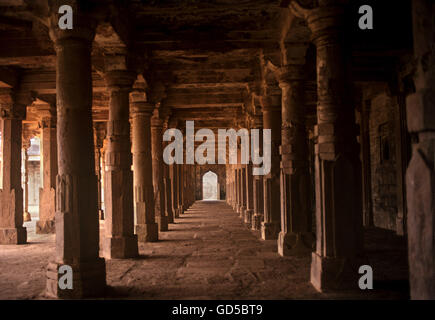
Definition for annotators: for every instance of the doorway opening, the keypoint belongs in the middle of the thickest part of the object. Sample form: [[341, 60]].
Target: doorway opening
[[210, 186]]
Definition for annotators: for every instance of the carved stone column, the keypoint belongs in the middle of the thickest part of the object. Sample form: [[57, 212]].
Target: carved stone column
[[25, 159], [295, 236], [249, 195], [271, 225], [180, 171], [103, 176], [243, 188], [47, 194], [232, 190], [166, 173], [257, 217], [249, 187], [174, 188], [420, 176], [366, 164], [157, 156], [237, 191], [99, 134], [13, 111], [146, 228], [120, 241], [77, 224], [336, 260], [185, 187]]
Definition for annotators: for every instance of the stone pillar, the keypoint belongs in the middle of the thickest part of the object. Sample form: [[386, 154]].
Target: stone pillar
[[295, 236], [402, 156], [270, 227], [174, 188], [186, 186], [229, 188], [366, 164], [120, 241], [243, 191], [103, 175], [239, 189], [420, 176], [249, 195], [257, 216], [168, 193], [47, 194], [166, 173], [180, 179], [77, 225], [25, 159], [236, 188], [11, 194], [99, 134], [157, 156], [232, 190], [336, 260], [146, 228]]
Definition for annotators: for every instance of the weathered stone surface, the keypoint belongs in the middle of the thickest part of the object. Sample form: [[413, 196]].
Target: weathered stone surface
[[77, 221], [420, 176], [47, 194]]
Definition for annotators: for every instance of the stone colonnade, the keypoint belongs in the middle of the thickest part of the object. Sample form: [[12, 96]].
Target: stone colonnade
[[277, 204]]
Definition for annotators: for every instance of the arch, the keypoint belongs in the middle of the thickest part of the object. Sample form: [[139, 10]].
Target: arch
[[210, 186]]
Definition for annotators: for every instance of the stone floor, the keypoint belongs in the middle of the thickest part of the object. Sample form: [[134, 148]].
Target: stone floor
[[208, 254]]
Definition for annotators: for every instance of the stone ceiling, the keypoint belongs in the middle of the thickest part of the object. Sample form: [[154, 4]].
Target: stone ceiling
[[207, 54]]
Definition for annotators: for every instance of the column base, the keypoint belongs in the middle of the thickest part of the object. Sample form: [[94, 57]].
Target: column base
[[257, 219], [248, 216], [290, 244], [89, 280], [270, 230], [163, 223], [331, 274], [45, 227], [120, 247], [26, 217], [171, 219], [176, 213], [242, 211], [180, 210], [13, 235], [148, 232]]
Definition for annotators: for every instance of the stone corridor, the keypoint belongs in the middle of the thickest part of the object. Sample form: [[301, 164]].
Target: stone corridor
[[321, 135], [209, 253]]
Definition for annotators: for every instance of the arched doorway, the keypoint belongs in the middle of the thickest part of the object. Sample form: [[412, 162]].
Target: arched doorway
[[210, 186]]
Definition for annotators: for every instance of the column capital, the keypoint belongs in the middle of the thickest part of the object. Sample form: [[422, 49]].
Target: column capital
[[165, 114], [26, 143], [270, 102], [257, 121], [291, 73], [100, 129], [120, 80], [156, 122], [323, 21], [13, 103], [84, 25], [27, 134], [141, 108], [47, 116]]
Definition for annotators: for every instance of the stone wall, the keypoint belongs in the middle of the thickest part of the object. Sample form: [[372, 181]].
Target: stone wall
[[383, 161]]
